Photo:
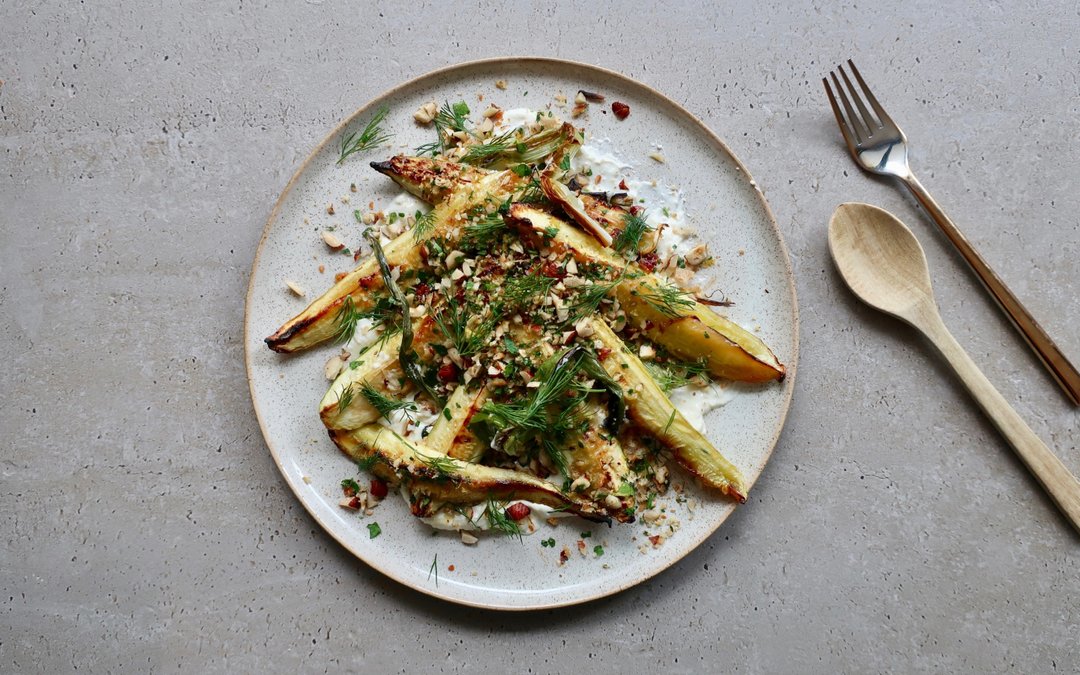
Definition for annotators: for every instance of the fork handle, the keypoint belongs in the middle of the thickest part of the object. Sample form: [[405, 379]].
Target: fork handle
[[1049, 353], [1062, 486]]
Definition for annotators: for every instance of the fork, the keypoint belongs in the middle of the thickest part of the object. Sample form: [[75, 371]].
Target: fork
[[879, 146]]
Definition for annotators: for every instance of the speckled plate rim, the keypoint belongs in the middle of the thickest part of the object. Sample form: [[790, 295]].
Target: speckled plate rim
[[791, 365]]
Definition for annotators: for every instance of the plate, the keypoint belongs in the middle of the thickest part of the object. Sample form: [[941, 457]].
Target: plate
[[722, 202]]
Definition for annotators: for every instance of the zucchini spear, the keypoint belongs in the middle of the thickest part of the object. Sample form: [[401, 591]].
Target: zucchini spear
[[451, 434], [654, 412], [441, 479], [318, 322], [675, 320]]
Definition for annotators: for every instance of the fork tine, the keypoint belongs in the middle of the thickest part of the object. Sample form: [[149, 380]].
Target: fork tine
[[853, 121], [839, 116], [886, 121], [867, 118]]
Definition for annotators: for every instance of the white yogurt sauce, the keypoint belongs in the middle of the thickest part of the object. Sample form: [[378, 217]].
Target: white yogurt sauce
[[406, 203], [694, 401]]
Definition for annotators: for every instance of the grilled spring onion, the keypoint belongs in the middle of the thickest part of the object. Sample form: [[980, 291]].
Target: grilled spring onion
[[406, 356]]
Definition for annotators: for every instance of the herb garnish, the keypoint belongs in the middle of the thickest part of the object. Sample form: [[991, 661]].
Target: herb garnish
[[425, 223], [666, 298], [670, 375], [499, 521], [371, 136], [345, 399], [629, 239], [449, 119], [453, 322], [385, 404], [373, 530]]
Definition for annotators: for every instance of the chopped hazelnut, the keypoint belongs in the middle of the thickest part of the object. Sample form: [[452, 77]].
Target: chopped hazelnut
[[500, 84], [580, 483], [330, 209], [333, 367], [331, 240], [295, 288], [426, 113], [468, 538]]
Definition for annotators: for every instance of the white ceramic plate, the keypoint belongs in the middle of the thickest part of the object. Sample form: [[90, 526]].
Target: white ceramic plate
[[722, 203]]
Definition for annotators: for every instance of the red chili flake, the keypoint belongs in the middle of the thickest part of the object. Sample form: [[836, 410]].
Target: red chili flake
[[648, 261], [339, 276], [655, 539], [621, 110], [603, 353], [517, 511], [636, 210], [450, 568], [368, 281], [421, 289], [354, 503], [447, 372], [622, 185], [550, 269], [378, 488], [564, 555], [348, 491]]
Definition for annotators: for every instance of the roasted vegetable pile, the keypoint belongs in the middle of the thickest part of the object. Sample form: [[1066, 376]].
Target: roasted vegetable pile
[[540, 325]]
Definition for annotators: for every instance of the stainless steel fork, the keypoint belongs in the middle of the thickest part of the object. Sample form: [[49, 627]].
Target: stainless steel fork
[[878, 146]]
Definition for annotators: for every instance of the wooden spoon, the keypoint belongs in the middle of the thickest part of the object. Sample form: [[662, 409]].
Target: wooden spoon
[[883, 264]]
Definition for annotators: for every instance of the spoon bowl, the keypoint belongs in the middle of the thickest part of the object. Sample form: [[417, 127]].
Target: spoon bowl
[[883, 263]]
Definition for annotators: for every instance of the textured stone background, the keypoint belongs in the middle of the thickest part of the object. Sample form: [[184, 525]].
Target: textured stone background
[[146, 528]]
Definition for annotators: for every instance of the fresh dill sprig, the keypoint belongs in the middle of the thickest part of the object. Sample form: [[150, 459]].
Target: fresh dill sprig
[[347, 317], [345, 398], [385, 404], [434, 568], [666, 298], [480, 153], [425, 223], [367, 463], [634, 228], [674, 375], [453, 322], [371, 136], [558, 457], [554, 410], [443, 465], [530, 193], [588, 300], [518, 291], [450, 118], [499, 521], [483, 230]]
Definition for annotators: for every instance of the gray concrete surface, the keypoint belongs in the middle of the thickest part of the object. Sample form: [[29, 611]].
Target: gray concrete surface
[[146, 529]]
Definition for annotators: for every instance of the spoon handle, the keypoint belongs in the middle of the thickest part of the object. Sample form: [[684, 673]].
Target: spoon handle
[[1056, 479], [1056, 362]]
